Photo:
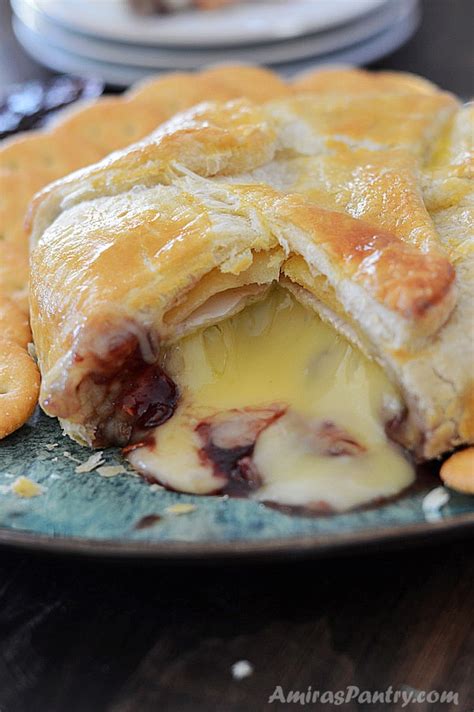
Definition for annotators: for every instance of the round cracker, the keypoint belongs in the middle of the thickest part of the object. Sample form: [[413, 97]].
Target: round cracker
[[14, 324], [14, 271], [19, 386], [458, 471]]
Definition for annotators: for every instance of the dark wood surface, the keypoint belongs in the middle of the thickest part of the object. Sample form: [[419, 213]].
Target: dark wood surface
[[85, 636], [81, 636]]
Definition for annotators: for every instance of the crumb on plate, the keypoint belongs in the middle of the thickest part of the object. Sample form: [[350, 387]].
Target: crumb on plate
[[24, 487], [433, 502], [91, 463], [111, 470], [184, 508], [67, 454]]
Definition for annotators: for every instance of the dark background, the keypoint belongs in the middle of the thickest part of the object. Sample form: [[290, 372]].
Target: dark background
[[441, 50], [81, 636]]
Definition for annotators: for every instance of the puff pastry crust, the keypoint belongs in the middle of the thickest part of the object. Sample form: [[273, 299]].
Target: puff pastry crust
[[357, 200]]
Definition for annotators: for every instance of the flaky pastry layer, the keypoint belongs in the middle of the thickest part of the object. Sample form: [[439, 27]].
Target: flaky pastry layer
[[187, 226]]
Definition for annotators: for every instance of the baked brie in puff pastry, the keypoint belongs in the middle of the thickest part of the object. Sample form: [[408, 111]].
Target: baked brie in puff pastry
[[267, 298]]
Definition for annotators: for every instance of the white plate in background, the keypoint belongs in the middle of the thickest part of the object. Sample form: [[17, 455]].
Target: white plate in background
[[124, 75], [246, 23], [158, 59]]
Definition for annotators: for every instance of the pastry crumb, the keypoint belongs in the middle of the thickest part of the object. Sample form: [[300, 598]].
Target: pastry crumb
[[91, 463], [32, 351], [111, 470], [67, 454], [24, 487], [184, 508], [433, 502], [51, 446], [156, 488], [241, 669]]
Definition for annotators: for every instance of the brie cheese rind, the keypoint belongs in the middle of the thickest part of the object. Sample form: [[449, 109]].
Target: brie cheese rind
[[359, 205]]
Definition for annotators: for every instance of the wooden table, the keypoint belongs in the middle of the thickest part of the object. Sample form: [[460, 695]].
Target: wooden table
[[81, 636]]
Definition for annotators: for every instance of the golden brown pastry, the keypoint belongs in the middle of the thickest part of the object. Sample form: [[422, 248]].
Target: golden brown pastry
[[89, 131], [158, 325], [86, 133], [357, 205]]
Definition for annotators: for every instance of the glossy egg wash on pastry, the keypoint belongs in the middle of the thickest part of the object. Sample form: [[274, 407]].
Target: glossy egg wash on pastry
[[276, 406]]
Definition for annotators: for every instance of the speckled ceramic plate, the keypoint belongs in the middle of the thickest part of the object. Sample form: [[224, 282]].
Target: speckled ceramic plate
[[121, 516]]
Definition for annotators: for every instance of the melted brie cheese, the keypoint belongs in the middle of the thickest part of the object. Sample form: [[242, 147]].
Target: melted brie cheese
[[276, 354]]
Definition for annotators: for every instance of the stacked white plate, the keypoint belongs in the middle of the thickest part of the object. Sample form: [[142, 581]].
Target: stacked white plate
[[105, 38]]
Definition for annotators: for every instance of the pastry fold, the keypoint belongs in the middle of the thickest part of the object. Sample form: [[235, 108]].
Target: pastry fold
[[327, 195]]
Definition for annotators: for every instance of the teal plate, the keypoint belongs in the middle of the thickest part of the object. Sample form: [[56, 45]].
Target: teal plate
[[89, 514]]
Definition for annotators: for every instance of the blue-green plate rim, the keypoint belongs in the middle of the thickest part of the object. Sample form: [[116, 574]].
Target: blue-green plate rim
[[234, 536], [322, 545]]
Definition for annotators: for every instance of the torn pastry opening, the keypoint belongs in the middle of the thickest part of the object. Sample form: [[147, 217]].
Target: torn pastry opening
[[277, 406], [246, 391], [261, 399]]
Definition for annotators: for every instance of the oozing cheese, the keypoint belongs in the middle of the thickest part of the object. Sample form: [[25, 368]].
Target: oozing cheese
[[277, 354]]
